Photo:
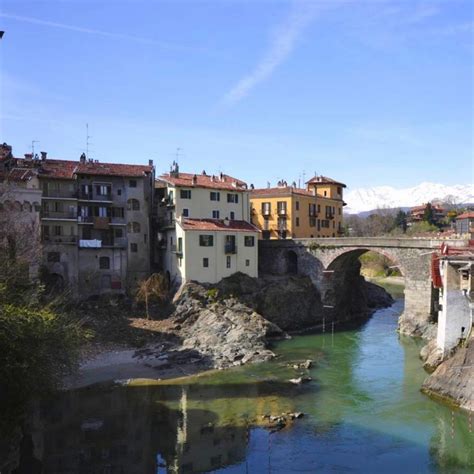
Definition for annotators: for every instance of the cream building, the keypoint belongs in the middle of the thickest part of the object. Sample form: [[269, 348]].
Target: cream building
[[204, 229]]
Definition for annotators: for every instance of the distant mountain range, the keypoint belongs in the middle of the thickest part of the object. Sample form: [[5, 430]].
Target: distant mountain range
[[366, 199]]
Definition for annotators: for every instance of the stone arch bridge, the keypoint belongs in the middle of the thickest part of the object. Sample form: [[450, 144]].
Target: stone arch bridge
[[333, 266]]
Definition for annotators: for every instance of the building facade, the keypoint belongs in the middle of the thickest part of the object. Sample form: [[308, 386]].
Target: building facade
[[204, 230], [95, 222], [286, 212], [464, 224], [417, 213]]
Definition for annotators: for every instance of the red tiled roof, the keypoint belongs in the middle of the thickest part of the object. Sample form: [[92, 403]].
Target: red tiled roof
[[280, 191], [422, 208], [217, 225], [18, 174], [324, 180], [189, 180], [63, 169], [466, 215], [113, 169]]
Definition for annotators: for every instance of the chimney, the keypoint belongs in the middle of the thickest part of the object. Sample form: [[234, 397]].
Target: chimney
[[252, 186], [150, 162], [82, 159], [221, 176], [204, 173], [43, 155], [28, 156], [227, 222], [194, 180]]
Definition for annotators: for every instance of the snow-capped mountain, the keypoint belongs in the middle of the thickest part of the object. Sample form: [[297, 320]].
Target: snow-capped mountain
[[367, 199]]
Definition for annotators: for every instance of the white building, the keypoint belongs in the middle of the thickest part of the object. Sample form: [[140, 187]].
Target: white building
[[204, 226]]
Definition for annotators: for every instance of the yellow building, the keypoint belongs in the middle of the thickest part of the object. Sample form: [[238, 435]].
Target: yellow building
[[287, 212]]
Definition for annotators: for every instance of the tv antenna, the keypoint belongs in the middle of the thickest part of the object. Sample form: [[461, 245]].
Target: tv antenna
[[87, 140], [33, 147]]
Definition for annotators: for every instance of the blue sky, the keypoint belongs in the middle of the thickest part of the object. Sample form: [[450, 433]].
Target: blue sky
[[368, 92]]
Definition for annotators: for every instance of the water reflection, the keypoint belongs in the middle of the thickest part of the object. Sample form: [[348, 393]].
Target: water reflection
[[364, 413]]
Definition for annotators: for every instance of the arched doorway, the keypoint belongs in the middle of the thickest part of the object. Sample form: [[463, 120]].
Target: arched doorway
[[292, 262]]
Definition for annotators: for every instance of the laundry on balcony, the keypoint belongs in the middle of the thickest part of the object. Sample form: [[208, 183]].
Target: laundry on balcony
[[92, 244]]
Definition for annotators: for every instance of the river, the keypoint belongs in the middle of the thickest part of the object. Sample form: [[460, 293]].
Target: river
[[363, 413]]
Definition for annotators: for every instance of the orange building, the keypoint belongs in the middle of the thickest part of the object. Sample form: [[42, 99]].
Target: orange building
[[286, 212]]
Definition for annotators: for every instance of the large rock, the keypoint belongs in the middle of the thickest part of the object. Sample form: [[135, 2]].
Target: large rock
[[223, 329], [453, 380]]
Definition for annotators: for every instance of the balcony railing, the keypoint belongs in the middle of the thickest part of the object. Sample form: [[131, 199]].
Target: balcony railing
[[59, 239], [95, 197], [164, 223], [59, 193], [282, 211], [58, 215], [230, 248]]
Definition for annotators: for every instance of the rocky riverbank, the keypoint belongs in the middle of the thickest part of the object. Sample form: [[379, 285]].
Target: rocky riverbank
[[453, 379], [210, 327]]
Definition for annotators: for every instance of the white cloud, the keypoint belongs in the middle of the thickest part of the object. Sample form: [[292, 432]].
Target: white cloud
[[281, 47]]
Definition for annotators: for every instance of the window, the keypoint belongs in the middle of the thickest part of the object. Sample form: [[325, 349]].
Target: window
[[205, 262], [180, 245], [312, 221], [247, 263], [133, 205], [58, 230], [230, 246], [54, 257], [228, 261], [340, 211], [231, 197], [185, 213], [325, 193], [132, 183], [118, 212], [215, 196], [145, 238], [215, 214], [232, 215], [297, 205], [119, 233], [319, 225], [104, 263], [185, 194], [103, 212], [45, 231], [103, 189], [312, 210], [249, 241], [206, 240], [133, 227], [281, 206], [119, 192], [133, 247], [58, 207], [319, 208], [339, 190], [266, 208], [297, 222]]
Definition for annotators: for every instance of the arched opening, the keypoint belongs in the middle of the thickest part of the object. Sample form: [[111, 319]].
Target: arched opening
[[349, 291], [292, 262]]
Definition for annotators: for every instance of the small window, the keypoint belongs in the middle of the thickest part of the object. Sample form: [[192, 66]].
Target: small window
[[205, 262], [185, 194], [232, 216], [215, 214], [185, 212], [133, 247], [228, 261], [231, 197], [297, 222], [215, 196], [104, 263], [325, 193], [180, 245], [266, 208], [132, 183], [297, 205], [54, 257], [133, 227], [247, 263], [249, 241], [339, 190], [133, 205], [58, 230], [119, 192], [206, 240]]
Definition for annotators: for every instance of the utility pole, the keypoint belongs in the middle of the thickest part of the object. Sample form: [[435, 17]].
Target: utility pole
[[33, 147]]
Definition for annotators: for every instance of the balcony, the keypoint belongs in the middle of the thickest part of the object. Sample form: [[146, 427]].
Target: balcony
[[266, 212], [117, 220], [95, 197], [58, 215], [59, 239], [166, 223], [85, 219], [59, 193], [230, 248], [282, 211]]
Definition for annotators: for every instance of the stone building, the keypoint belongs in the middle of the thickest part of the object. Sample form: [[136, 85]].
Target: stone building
[[286, 212], [95, 221], [204, 229]]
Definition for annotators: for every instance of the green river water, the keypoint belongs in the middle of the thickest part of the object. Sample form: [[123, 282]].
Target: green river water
[[363, 413]]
